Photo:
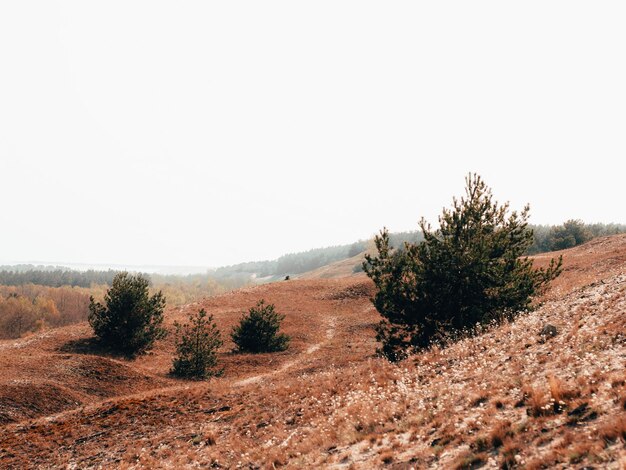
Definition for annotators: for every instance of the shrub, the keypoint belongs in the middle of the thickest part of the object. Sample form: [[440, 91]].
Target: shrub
[[258, 330], [18, 315], [130, 319], [571, 233], [197, 343], [468, 272]]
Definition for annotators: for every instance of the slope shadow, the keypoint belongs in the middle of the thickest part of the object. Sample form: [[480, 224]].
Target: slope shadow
[[92, 346]]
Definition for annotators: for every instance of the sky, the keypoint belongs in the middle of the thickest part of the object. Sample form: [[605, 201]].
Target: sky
[[210, 133]]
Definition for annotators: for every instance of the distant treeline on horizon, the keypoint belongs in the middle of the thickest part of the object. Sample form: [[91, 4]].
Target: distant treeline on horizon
[[546, 238], [53, 276], [33, 298]]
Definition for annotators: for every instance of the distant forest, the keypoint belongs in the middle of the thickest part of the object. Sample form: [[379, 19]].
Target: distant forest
[[569, 234], [33, 298], [52, 276], [546, 238], [293, 263], [36, 297]]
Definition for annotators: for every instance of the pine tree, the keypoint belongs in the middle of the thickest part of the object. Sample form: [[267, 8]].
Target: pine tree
[[571, 233], [130, 321], [197, 343], [471, 271], [258, 330]]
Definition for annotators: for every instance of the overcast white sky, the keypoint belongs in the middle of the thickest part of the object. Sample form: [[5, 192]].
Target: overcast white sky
[[209, 133]]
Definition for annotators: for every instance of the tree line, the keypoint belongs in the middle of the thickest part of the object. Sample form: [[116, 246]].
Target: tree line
[[292, 263], [36, 297], [29, 308], [56, 277], [545, 238], [569, 234]]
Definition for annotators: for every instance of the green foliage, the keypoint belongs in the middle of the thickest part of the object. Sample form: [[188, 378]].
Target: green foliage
[[130, 319], [258, 330], [355, 249], [469, 272], [197, 343], [53, 276], [293, 263], [569, 234]]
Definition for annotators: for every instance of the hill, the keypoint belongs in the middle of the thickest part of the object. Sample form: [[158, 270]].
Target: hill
[[343, 268], [312, 263], [509, 398]]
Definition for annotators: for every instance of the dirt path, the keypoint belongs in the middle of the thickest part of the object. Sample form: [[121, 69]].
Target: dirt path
[[23, 342], [330, 333]]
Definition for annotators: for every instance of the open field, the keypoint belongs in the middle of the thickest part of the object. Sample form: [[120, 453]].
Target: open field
[[508, 398]]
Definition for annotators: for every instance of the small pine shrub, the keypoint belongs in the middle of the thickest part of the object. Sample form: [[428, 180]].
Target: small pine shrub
[[130, 320], [258, 330], [197, 343]]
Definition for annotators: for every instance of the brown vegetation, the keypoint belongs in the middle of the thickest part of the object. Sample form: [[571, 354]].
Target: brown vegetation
[[508, 398], [31, 308]]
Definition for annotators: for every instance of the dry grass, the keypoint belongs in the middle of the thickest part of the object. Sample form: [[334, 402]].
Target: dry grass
[[469, 460], [329, 403], [499, 433], [538, 403], [613, 429]]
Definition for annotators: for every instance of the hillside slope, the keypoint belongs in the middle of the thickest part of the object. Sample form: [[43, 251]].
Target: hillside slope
[[507, 398], [338, 269]]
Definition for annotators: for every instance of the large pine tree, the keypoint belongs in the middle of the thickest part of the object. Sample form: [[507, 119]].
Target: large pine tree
[[470, 271]]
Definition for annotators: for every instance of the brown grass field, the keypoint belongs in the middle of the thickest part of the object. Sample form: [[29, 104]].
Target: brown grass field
[[506, 399]]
